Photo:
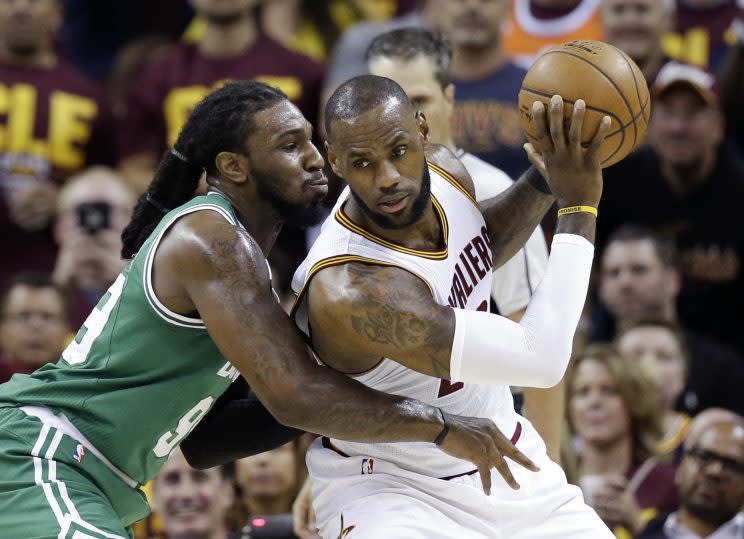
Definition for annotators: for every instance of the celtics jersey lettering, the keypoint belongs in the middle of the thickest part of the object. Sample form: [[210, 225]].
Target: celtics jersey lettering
[[137, 377]]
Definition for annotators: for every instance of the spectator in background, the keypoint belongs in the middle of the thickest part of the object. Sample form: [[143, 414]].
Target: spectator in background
[[34, 326], [268, 482], [193, 503], [710, 481], [658, 350], [687, 185], [419, 61], [94, 208], [702, 32], [313, 27], [613, 413], [639, 280], [347, 58], [536, 25], [53, 122], [230, 47], [637, 27], [486, 119]]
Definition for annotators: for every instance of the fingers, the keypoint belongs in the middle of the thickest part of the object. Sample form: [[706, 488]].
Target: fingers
[[556, 122], [503, 468], [594, 147], [544, 144], [485, 474], [520, 458], [577, 123]]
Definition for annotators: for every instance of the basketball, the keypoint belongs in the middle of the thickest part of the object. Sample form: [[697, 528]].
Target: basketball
[[606, 79]]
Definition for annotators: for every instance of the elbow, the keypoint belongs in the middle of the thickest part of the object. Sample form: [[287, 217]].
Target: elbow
[[553, 370]]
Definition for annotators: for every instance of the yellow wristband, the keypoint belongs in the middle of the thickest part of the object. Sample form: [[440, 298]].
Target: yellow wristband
[[577, 209]]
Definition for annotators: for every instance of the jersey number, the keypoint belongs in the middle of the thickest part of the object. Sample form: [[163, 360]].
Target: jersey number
[[77, 351], [171, 439], [445, 386]]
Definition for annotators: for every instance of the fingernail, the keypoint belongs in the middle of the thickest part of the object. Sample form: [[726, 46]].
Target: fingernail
[[555, 101], [579, 104]]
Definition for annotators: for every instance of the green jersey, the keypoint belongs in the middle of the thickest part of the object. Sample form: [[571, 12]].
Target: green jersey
[[137, 377]]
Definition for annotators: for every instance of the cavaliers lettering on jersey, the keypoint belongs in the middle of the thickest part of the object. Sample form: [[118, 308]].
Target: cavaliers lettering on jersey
[[458, 275]]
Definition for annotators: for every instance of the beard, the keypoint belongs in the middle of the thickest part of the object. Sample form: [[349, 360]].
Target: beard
[[712, 514], [417, 208], [293, 215]]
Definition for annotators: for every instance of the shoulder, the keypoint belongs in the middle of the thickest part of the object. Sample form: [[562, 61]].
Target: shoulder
[[204, 244], [338, 289], [442, 158]]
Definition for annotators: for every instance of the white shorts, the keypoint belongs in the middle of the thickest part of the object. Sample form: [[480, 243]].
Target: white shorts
[[355, 500]]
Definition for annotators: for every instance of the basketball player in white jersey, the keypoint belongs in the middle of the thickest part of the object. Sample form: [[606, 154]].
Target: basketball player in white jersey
[[419, 61], [394, 293]]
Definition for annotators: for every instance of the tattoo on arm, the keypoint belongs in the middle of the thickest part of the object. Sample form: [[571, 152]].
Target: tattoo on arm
[[399, 319]]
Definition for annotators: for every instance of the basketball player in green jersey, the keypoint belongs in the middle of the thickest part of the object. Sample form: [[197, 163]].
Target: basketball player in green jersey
[[193, 311]]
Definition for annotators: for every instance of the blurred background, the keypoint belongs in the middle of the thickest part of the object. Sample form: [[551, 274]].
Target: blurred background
[[92, 93]]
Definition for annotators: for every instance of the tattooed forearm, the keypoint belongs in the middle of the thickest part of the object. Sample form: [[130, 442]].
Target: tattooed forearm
[[512, 216]]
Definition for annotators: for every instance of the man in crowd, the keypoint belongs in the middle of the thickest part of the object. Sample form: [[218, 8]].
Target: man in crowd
[[637, 27], [686, 185], [53, 123], [191, 502], [94, 207], [639, 280], [486, 119], [34, 324], [710, 481]]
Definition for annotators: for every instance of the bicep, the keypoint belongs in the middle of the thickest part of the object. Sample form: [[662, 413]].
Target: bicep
[[232, 294], [376, 311]]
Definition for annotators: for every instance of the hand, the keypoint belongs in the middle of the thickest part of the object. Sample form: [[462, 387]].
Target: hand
[[573, 172], [614, 502], [482, 443], [34, 206], [303, 516]]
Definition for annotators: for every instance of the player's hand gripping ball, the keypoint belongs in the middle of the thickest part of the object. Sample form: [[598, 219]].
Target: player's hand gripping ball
[[606, 79]]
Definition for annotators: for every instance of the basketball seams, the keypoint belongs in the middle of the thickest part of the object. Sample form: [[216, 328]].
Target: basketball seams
[[615, 117], [605, 75], [638, 89]]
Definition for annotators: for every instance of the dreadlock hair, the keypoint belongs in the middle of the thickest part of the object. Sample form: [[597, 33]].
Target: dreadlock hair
[[220, 122]]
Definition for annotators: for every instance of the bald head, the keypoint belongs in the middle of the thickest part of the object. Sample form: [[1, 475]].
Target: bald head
[[362, 94]]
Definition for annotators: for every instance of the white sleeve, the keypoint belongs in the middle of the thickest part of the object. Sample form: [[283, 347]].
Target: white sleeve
[[534, 352]]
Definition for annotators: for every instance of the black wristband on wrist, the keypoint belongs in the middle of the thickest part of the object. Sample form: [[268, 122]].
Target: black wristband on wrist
[[445, 429], [535, 179]]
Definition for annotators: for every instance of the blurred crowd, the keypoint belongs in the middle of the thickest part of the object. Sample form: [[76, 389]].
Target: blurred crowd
[[92, 93]]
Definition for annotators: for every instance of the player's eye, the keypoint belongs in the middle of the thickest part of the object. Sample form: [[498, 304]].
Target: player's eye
[[361, 163], [400, 151], [289, 147]]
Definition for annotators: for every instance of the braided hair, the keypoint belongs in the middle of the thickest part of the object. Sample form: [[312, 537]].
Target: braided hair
[[222, 121]]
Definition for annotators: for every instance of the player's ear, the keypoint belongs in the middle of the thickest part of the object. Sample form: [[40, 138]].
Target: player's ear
[[423, 126], [333, 160], [232, 166]]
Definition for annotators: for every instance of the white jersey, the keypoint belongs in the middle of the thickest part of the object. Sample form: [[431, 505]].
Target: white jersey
[[516, 280], [459, 275]]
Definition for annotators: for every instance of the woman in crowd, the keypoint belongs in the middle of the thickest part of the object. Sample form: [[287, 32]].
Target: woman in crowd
[[615, 422]]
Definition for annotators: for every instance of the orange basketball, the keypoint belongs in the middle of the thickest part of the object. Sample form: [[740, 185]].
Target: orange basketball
[[606, 79]]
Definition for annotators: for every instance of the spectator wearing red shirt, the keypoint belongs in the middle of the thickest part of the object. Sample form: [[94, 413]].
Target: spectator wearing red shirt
[[53, 123]]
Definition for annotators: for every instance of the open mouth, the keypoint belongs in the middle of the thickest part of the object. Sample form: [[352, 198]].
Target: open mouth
[[394, 205]]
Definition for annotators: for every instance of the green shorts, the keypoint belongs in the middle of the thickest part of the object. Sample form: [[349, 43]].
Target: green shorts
[[51, 487]]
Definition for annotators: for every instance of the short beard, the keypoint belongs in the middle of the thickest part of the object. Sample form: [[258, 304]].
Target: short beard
[[417, 208], [292, 215]]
